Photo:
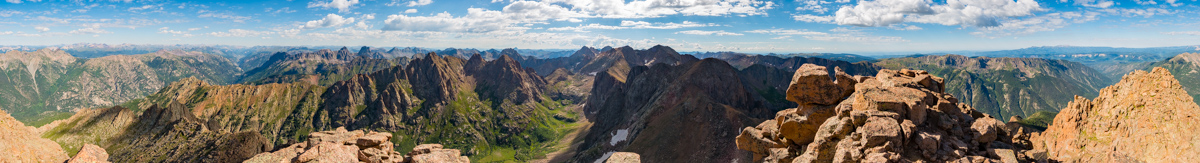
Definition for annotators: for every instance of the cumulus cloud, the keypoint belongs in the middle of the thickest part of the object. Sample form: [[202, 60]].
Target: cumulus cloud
[[341, 5], [411, 10], [331, 20], [84, 31], [700, 32], [41, 29], [416, 3], [978, 13], [240, 33], [484, 20]]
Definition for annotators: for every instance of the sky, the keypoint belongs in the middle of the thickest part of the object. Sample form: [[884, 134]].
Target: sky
[[686, 25]]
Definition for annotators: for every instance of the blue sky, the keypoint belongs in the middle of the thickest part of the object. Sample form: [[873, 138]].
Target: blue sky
[[686, 25]]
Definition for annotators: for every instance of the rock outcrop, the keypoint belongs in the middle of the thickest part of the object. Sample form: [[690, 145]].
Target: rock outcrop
[[341, 145], [90, 154], [1147, 117], [624, 157], [896, 116], [20, 143]]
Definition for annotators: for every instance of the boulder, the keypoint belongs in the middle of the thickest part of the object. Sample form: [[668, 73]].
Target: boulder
[[90, 154], [812, 85], [624, 157]]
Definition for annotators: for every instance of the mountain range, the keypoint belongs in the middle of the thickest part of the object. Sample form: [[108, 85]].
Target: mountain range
[[504, 106]]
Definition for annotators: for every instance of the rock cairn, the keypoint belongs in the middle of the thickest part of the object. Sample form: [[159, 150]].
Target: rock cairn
[[896, 116], [341, 145]]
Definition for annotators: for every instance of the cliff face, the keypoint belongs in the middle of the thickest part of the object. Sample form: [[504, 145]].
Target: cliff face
[[47, 82], [895, 116], [1009, 86], [20, 143], [647, 113], [1147, 117]]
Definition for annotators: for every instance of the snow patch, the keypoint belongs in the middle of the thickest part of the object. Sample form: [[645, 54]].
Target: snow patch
[[620, 136]]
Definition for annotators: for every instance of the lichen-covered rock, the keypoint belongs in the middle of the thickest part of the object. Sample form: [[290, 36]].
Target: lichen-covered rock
[[1147, 117], [896, 116]]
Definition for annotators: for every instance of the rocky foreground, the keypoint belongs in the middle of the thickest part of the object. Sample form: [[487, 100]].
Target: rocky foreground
[[904, 116], [21, 143], [1147, 117], [357, 146], [896, 116]]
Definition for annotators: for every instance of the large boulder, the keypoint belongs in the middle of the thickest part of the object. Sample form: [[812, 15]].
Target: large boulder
[[812, 85], [90, 154], [895, 116]]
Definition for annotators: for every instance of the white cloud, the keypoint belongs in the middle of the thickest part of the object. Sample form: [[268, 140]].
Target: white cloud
[[341, 5], [480, 20], [240, 33], [838, 34], [416, 3], [231, 17], [7, 13], [411, 10], [626, 24], [659, 8], [1147, 12], [700, 32], [813, 18], [85, 31], [1193, 33], [813, 5], [782, 37], [368, 16], [786, 32], [193, 29], [41, 29], [1093, 3], [978, 13], [1048, 22], [331, 20], [904, 27]]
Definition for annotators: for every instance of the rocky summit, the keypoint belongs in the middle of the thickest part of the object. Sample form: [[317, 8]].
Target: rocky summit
[[341, 145], [1147, 117], [895, 116], [20, 143]]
